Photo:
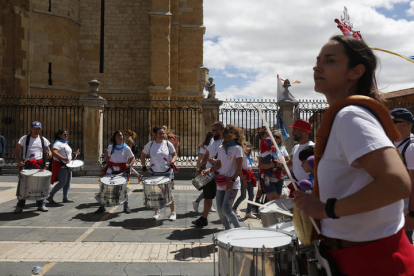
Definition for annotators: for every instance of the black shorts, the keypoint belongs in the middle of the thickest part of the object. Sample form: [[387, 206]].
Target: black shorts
[[209, 190]]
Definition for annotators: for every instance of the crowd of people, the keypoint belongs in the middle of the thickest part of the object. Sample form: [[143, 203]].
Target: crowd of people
[[353, 180]]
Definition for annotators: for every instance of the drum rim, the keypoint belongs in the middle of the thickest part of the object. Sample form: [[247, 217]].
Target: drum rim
[[48, 173], [108, 176], [159, 183], [81, 163], [249, 249], [271, 202]]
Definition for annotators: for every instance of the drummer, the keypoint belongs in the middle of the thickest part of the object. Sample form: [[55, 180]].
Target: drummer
[[119, 159], [229, 166], [62, 154], [161, 152], [35, 150], [360, 180]]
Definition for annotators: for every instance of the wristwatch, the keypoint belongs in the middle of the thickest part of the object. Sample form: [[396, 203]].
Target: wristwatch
[[411, 214], [233, 180]]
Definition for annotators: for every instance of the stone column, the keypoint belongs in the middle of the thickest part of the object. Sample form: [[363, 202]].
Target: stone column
[[211, 114], [93, 129], [286, 111]]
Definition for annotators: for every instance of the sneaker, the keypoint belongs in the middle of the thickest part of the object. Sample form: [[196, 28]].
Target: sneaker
[[42, 209], [200, 222], [100, 210], [213, 210], [173, 216], [156, 215], [250, 215], [18, 210], [195, 205], [126, 210]]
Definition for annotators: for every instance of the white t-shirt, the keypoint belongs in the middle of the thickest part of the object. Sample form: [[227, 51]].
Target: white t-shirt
[[300, 174], [212, 150], [355, 132], [160, 155], [119, 156], [409, 159], [35, 147], [228, 164], [63, 149], [246, 163]]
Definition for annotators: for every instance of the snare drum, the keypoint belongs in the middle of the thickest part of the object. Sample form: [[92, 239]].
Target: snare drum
[[157, 191], [255, 251], [2, 162], [34, 184], [113, 190], [200, 181], [270, 217], [75, 165]]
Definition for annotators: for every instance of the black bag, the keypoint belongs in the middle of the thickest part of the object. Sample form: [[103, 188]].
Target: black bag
[[135, 149]]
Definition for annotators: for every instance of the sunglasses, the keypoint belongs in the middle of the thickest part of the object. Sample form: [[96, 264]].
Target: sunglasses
[[276, 136], [397, 122], [65, 134]]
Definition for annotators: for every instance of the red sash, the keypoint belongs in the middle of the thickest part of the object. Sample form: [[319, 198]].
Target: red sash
[[56, 166], [122, 166], [250, 177]]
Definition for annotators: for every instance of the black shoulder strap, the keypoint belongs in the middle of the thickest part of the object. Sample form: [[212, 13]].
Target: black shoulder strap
[[27, 145], [43, 150], [149, 151], [113, 149], [405, 149]]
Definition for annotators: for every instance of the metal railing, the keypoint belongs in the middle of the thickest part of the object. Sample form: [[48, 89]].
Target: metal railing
[[54, 113], [183, 119]]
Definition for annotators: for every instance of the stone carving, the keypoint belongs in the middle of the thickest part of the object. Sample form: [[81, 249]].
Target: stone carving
[[211, 88], [287, 96]]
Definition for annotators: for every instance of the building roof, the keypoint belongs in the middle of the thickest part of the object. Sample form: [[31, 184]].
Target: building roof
[[399, 93]]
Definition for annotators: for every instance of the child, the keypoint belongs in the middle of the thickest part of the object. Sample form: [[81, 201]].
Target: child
[[306, 157]]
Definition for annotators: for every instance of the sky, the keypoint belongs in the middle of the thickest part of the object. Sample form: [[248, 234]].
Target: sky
[[248, 43]]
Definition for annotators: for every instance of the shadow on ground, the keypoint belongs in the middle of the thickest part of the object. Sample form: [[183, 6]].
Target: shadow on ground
[[137, 223], [198, 252], [191, 234], [24, 215], [92, 217]]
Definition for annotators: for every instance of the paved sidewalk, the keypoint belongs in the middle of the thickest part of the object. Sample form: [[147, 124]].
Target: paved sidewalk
[[71, 240]]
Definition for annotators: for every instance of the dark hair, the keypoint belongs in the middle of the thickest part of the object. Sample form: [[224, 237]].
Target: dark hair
[[306, 153], [58, 133], [262, 132], [156, 129], [209, 135], [218, 124], [359, 53], [113, 138]]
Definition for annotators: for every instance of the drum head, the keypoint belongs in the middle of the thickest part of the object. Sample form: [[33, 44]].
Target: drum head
[[156, 180], [253, 238], [75, 163], [278, 204], [115, 180], [36, 172], [285, 226]]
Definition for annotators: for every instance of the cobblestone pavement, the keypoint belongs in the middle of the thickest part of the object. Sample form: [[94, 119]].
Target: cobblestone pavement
[[71, 240]]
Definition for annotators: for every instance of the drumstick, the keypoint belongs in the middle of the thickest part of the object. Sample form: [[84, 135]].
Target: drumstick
[[283, 161], [76, 154], [270, 208]]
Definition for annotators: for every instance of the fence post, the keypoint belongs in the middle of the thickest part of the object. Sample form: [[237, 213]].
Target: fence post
[[286, 111], [92, 129], [211, 113]]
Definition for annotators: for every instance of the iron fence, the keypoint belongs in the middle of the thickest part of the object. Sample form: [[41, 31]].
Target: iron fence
[[183, 119], [311, 111], [54, 113]]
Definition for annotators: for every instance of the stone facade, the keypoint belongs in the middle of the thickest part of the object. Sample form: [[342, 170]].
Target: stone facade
[[151, 48]]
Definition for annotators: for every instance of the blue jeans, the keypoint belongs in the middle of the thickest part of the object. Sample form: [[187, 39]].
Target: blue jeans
[[64, 177], [224, 201], [243, 197], [200, 197]]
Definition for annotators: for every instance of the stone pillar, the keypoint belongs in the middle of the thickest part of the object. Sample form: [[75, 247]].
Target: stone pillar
[[93, 129], [211, 114], [286, 111], [160, 22]]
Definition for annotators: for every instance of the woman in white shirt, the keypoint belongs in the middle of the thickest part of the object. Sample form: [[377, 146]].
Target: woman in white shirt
[[119, 159], [62, 154], [229, 166], [362, 180], [161, 152]]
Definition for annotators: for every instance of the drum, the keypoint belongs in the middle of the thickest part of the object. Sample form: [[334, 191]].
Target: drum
[[75, 165], [2, 162], [157, 191], [113, 190], [34, 184], [256, 251], [270, 217], [200, 181]]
